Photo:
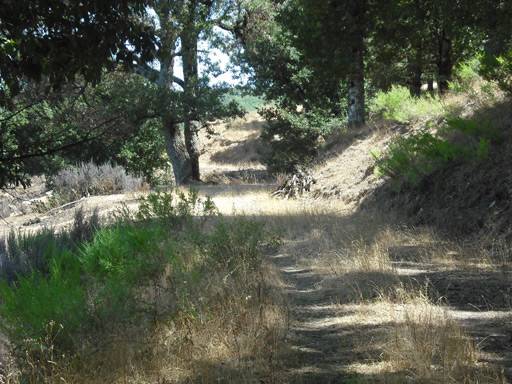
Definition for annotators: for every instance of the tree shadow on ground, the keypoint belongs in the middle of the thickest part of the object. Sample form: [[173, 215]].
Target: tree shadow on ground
[[323, 344]]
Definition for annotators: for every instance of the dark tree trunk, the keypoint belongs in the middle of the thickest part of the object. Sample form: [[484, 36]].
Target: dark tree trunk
[[356, 99], [192, 146], [430, 85], [444, 63], [415, 84], [189, 40], [176, 150]]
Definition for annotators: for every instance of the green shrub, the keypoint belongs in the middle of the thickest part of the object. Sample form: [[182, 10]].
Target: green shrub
[[36, 301], [175, 208], [498, 68], [236, 244], [119, 260], [128, 275], [409, 159], [398, 104], [465, 76], [124, 252], [293, 137], [476, 129], [22, 252], [144, 154]]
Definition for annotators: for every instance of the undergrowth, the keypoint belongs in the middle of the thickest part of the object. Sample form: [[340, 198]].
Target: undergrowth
[[398, 104], [409, 159], [174, 264]]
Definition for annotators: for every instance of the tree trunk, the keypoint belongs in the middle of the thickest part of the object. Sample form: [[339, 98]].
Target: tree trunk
[[192, 146], [444, 63], [174, 145], [189, 39], [430, 85], [356, 107], [177, 152], [415, 85], [416, 69], [356, 99]]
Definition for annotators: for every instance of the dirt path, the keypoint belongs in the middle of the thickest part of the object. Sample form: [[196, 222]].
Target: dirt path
[[328, 337], [314, 341]]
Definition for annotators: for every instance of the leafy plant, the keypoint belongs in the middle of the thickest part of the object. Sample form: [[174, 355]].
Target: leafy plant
[[409, 159], [466, 75], [398, 104], [176, 208], [498, 68], [293, 137], [35, 301]]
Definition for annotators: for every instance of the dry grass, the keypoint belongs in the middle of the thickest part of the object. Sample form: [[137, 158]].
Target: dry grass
[[239, 339], [380, 273]]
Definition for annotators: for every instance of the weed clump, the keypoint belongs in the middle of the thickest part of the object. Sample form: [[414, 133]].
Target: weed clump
[[87, 179], [397, 104]]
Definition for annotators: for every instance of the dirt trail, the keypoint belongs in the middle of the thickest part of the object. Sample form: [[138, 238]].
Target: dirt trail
[[329, 337], [315, 343]]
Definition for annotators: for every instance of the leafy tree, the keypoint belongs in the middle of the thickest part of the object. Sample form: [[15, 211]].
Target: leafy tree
[[56, 40], [179, 26], [496, 21], [43, 129]]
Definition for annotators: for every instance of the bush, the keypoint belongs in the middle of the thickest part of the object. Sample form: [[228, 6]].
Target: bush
[[144, 154], [410, 159], [34, 302], [466, 75], [293, 137], [233, 245], [129, 275], [398, 104], [87, 179], [499, 69]]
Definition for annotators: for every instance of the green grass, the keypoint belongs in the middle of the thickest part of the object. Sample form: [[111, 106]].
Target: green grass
[[397, 104], [118, 277]]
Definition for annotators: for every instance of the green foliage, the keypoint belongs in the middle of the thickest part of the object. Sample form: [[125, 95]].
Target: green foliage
[[98, 283], [175, 208], [64, 40], [235, 246], [24, 253], [467, 73], [478, 129], [409, 159], [498, 68], [398, 104], [144, 153], [36, 301], [293, 137], [42, 131]]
